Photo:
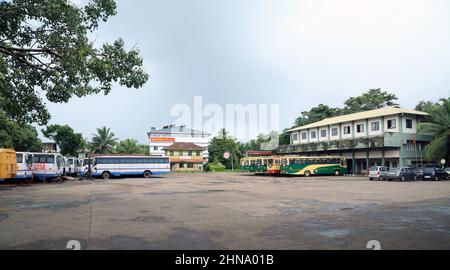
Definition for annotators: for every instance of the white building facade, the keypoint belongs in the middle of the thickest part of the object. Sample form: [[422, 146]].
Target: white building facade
[[159, 139], [386, 136]]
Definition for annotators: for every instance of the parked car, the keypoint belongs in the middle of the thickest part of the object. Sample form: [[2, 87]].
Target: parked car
[[418, 172], [447, 170], [401, 173], [378, 172], [431, 173]]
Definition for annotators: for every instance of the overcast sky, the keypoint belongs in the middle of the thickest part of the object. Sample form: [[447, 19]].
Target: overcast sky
[[295, 53]]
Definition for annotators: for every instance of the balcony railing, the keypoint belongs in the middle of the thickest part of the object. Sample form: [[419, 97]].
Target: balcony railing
[[360, 143]]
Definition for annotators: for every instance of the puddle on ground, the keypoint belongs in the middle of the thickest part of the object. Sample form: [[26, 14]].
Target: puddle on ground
[[147, 219], [333, 233]]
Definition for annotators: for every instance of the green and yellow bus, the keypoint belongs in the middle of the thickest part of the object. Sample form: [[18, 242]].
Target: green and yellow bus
[[307, 166], [262, 165], [253, 165]]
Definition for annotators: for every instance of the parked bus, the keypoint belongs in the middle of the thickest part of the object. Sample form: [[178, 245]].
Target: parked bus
[[251, 164], [24, 165], [115, 165], [71, 166], [8, 164], [307, 166], [84, 165], [47, 165], [274, 165]]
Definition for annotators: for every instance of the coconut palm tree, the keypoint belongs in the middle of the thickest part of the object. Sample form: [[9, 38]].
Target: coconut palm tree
[[128, 146], [438, 124], [104, 141]]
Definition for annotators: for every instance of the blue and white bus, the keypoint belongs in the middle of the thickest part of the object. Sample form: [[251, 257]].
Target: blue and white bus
[[128, 165], [47, 165], [24, 165]]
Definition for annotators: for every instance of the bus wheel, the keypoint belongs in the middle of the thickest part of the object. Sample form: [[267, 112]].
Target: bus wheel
[[147, 174], [337, 173], [307, 173], [106, 175]]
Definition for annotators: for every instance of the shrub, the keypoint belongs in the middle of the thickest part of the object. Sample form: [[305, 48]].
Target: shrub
[[216, 167]]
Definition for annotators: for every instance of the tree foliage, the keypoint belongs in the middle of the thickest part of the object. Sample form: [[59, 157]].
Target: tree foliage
[[104, 141], [45, 51], [317, 113], [69, 142], [437, 123], [221, 144], [284, 138], [370, 100], [131, 146], [19, 137]]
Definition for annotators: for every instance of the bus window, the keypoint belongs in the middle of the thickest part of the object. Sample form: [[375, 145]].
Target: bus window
[[29, 160], [19, 158]]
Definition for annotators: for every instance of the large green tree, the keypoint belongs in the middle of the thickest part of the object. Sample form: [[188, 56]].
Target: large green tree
[[370, 100], [438, 123], [69, 142], [104, 141], [317, 113], [46, 50], [19, 137], [284, 138], [221, 144]]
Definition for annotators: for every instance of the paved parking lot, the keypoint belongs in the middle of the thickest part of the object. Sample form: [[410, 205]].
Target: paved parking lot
[[226, 211]]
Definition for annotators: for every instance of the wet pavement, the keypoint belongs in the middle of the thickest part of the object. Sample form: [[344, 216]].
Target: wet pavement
[[226, 211]]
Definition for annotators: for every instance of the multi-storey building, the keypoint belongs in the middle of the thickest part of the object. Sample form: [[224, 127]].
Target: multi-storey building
[[386, 136], [159, 139]]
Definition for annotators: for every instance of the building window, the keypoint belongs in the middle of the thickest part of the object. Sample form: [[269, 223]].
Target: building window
[[190, 153], [409, 123], [410, 145], [304, 136], [360, 128], [334, 131], [421, 146], [171, 153], [190, 165], [198, 153], [323, 133], [313, 134], [347, 130], [391, 124], [294, 136], [180, 153], [375, 126]]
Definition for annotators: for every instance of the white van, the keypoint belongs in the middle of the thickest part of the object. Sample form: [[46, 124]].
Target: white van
[[71, 167], [47, 165]]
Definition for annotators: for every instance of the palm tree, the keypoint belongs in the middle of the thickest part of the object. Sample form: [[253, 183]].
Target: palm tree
[[438, 124], [104, 141], [129, 146]]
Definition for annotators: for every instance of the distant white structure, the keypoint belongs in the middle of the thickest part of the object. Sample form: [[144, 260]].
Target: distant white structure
[[168, 135]]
